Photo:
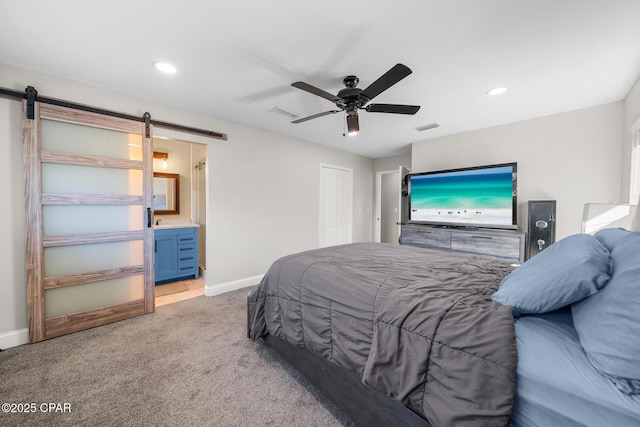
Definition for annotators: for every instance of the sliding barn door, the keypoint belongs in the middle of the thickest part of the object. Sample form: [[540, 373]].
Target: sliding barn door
[[88, 181]]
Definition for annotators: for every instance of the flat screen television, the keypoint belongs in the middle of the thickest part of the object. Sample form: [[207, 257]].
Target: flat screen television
[[481, 196]]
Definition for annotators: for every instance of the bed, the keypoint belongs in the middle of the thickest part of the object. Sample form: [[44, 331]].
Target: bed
[[398, 335]]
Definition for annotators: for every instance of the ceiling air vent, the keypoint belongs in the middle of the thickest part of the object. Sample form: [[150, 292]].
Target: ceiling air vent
[[427, 127], [284, 113]]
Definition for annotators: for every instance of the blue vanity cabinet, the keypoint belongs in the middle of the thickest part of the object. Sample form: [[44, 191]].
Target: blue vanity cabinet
[[176, 253], [166, 261]]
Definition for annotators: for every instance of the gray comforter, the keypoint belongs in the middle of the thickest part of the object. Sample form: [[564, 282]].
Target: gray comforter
[[416, 324]]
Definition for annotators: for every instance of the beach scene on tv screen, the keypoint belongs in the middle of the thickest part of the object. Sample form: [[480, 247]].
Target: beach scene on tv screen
[[477, 196]]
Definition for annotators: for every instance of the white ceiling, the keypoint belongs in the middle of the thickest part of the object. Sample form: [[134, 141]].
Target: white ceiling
[[237, 59]]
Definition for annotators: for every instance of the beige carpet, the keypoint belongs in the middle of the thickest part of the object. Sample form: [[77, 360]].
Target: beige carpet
[[187, 364]]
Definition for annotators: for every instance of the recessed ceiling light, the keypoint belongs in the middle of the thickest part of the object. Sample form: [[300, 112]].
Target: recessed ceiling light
[[165, 67], [497, 91]]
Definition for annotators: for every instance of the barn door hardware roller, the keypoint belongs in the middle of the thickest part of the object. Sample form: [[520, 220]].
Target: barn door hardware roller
[[31, 101]]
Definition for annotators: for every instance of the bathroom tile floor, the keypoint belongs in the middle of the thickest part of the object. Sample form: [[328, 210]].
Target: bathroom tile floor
[[195, 289]]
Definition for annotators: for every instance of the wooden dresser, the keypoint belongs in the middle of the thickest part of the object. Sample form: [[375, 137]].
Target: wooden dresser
[[507, 244]]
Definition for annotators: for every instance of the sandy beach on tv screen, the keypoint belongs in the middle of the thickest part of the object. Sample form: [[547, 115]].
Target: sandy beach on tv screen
[[475, 216]]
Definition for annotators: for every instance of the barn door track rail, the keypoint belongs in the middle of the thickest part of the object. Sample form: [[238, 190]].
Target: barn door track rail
[[30, 94]]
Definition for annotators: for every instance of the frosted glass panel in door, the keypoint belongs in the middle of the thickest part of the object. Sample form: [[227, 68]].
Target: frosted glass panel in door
[[71, 138], [73, 179], [77, 259], [73, 299], [91, 219]]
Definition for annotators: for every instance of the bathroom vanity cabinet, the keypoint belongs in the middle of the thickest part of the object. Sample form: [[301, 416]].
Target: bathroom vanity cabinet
[[176, 253]]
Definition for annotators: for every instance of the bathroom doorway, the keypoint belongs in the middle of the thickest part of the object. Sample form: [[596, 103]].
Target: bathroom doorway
[[188, 160]]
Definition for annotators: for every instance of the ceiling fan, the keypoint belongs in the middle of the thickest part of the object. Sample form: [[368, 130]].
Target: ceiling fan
[[351, 98]]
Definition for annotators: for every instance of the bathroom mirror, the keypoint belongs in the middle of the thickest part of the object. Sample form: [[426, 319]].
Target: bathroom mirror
[[166, 193]]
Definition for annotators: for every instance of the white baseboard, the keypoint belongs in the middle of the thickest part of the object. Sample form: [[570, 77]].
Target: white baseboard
[[21, 336], [221, 288], [14, 338]]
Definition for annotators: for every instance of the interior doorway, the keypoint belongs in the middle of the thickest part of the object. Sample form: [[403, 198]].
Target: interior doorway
[[387, 206], [189, 159]]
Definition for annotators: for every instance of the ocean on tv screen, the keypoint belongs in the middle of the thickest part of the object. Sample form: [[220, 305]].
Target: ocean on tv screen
[[472, 196]]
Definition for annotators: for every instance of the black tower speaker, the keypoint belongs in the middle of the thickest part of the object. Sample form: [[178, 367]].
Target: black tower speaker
[[542, 225]]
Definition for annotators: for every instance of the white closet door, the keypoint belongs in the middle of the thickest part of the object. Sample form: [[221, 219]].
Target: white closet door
[[336, 205]]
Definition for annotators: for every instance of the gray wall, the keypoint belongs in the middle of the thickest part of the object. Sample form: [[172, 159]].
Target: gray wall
[[392, 163], [263, 189], [573, 157], [13, 292], [264, 199]]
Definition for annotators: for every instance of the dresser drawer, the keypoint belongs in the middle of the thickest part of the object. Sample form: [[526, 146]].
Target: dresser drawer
[[503, 246], [426, 237]]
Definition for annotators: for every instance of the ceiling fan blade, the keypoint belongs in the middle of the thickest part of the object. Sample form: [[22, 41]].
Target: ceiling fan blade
[[388, 79], [316, 91], [315, 116], [392, 108], [353, 126]]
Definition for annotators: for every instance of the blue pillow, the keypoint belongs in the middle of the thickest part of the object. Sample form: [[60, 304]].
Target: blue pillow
[[611, 236], [608, 323], [566, 272]]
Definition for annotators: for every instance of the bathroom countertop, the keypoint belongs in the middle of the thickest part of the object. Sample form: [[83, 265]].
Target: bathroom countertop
[[183, 225]]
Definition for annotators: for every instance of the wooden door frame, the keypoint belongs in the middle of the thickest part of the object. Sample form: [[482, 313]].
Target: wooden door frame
[[39, 327]]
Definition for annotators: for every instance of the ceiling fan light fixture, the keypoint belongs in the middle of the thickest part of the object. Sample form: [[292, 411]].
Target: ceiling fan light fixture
[[497, 91], [352, 124], [165, 67]]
